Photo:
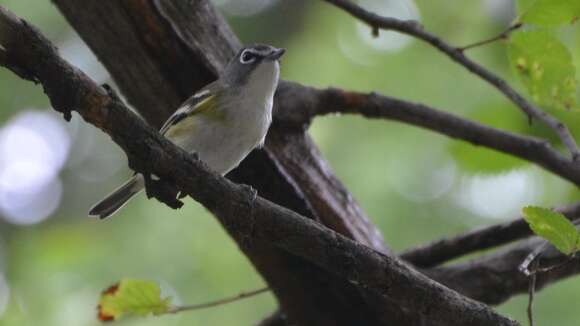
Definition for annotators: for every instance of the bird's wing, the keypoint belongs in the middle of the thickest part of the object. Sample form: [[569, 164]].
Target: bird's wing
[[199, 102]]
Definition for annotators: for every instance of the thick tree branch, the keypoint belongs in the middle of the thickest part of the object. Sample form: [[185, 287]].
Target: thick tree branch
[[319, 102], [440, 251], [495, 277], [159, 53], [69, 89], [414, 29]]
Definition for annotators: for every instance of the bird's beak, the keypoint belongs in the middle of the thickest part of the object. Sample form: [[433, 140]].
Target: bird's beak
[[276, 54]]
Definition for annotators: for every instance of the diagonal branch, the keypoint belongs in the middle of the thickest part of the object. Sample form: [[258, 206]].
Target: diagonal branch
[[440, 251], [70, 89], [319, 102], [494, 278], [413, 28]]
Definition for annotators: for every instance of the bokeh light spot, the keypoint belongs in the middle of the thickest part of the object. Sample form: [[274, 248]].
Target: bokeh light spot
[[31, 207], [498, 196], [33, 149]]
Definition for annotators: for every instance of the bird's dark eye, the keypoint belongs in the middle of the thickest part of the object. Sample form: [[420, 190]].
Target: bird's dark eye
[[247, 57]]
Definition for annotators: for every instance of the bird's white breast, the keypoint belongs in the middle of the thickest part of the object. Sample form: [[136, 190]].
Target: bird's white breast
[[223, 143]]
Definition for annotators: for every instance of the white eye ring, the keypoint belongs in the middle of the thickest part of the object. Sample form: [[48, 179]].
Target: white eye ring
[[247, 56]]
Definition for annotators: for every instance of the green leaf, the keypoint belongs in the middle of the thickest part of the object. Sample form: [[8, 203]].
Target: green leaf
[[132, 297], [553, 227], [545, 67], [549, 13]]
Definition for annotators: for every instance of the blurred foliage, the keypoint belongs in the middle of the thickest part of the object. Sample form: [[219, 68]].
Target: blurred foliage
[[413, 183]]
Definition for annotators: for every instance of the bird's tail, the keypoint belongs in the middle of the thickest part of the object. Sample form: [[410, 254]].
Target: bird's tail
[[118, 198]]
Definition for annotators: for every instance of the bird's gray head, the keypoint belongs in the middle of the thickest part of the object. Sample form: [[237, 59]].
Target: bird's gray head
[[256, 63]]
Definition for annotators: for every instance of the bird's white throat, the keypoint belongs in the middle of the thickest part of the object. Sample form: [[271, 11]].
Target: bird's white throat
[[263, 81]]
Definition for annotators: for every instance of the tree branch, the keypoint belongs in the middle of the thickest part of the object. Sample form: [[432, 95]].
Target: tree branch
[[70, 89], [414, 29], [495, 277], [440, 251], [319, 102]]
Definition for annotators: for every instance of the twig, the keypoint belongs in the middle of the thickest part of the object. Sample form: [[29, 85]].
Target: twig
[[440, 251], [533, 257], [535, 254], [502, 36], [414, 29], [554, 267], [531, 292], [533, 275], [241, 296]]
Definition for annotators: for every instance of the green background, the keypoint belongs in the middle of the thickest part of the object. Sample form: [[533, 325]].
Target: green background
[[415, 185]]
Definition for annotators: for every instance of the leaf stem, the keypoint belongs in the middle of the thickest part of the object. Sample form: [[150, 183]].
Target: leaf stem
[[241, 296], [502, 36], [531, 291]]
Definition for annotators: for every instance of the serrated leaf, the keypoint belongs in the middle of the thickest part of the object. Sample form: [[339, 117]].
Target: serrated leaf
[[132, 297], [549, 13], [553, 227], [545, 67]]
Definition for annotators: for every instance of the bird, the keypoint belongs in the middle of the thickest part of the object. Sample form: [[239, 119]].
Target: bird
[[221, 123]]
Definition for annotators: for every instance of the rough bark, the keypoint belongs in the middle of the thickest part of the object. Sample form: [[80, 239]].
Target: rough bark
[[159, 53], [494, 278], [440, 251]]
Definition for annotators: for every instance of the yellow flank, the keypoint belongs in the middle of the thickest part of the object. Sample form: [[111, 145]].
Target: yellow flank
[[182, 129], [204, 110]]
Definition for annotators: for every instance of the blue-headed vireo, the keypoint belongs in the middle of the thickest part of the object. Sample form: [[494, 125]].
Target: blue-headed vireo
[[222, 123]]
